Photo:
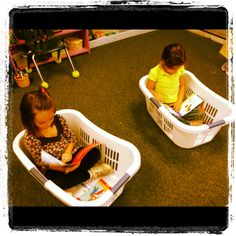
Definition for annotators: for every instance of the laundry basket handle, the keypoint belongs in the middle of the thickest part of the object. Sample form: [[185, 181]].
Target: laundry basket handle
[[216, 123], [38, 175], [155, 102], [120, 183]]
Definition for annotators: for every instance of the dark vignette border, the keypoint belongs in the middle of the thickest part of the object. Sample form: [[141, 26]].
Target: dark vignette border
[[121, 17], [120, 219]]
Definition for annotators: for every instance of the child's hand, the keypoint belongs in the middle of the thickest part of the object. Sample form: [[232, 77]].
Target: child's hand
[[41, 163], [70, 168], [66, 156], [177, 106], [159, 97]]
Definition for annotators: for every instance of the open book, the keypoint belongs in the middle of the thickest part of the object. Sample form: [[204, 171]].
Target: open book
[[188, 105], [49, 159]]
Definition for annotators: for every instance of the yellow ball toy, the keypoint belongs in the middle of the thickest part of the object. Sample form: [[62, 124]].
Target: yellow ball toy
[[28, 70], [75, 74], [45, 85], [58, 61]]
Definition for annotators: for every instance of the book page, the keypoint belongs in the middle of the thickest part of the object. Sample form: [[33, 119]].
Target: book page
[[189, 104], [49, 159]]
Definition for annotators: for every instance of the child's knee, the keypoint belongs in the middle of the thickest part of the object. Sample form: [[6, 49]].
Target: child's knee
[[95, 153]]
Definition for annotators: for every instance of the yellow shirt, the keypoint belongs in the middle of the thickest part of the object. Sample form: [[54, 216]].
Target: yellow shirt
[[167, 85]]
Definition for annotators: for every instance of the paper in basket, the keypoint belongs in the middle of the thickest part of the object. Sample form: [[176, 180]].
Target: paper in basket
[[95, 191]]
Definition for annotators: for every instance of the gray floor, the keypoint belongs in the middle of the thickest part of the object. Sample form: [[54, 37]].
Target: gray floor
[[107, 93]]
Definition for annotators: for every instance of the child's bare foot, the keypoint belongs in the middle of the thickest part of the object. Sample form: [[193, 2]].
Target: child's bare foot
[[196, 122]]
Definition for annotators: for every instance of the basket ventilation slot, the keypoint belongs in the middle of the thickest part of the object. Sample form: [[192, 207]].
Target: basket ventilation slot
[[98, 146], [189, 91], [84, 138], [210, 113], [168, 126], [111, 158], [158, 117]]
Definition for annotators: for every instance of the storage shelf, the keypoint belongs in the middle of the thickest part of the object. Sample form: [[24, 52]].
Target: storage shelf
[[52, 59], [67, 31], [78, 33]]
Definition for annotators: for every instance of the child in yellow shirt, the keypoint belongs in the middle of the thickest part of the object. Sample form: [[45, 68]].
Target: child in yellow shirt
[[167, 83]]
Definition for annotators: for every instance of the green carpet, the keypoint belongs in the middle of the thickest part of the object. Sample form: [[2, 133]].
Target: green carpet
[[107, 93]]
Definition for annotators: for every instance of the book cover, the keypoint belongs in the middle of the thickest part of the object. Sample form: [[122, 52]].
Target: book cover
[[95, 191], [81, 154], [188, 105]]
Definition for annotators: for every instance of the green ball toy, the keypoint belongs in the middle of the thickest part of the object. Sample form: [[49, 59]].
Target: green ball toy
[[45, 85], [75, 74], [28, 70]]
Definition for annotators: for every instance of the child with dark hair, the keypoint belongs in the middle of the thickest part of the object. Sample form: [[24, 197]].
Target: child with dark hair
[[48, 131], [166, 82]]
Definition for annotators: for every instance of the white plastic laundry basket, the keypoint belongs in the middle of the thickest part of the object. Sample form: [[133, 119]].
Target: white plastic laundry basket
[[123, 156], [218, 112]]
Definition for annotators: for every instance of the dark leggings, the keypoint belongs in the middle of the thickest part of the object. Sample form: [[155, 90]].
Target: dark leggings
[[77, 176]]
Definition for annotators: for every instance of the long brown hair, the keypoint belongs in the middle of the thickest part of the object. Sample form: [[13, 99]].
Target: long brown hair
[[35, 100]]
